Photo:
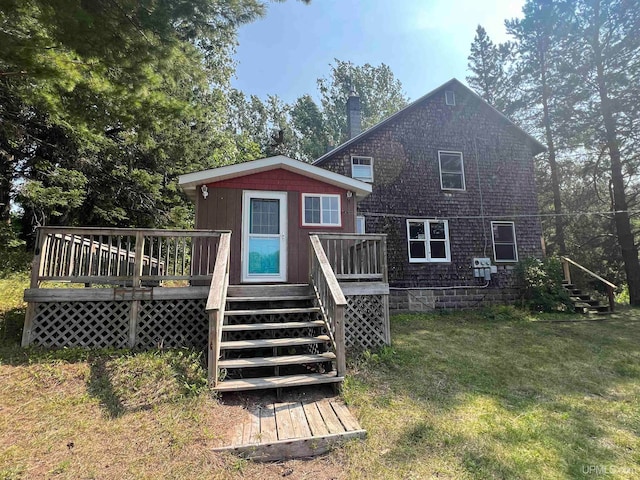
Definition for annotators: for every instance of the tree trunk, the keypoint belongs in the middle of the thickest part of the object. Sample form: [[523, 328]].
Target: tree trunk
[[622, 221], [553, 164], [6, 177]]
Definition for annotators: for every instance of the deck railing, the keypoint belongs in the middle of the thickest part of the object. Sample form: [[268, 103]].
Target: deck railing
[[216, 304], [330, 298], [610, 287], [356, 257], [123, 256]]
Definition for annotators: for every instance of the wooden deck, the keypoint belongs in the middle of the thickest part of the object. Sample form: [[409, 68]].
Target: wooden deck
[[293, 429]]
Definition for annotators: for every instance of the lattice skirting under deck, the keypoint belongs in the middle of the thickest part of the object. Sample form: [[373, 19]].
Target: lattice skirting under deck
[[81, 324], [107, 324], [173, 323], [367, 321]]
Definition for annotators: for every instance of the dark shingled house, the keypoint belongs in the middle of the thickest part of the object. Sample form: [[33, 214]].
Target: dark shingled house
[[453, 188]]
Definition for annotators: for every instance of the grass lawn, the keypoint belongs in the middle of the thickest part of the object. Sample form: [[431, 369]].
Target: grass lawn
[[490, 394]]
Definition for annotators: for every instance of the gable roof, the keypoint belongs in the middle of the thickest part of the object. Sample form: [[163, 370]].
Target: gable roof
[[191, 181], [537, 146]]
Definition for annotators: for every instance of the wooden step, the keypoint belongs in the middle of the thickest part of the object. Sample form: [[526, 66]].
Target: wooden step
[[277, 290], [279, 298], [276, 361], [242, 327], [278, 382], [272, 342], [271, 311]]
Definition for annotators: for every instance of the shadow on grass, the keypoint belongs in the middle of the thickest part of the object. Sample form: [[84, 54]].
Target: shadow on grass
[[508, 385], [138, 381], [101, 387]]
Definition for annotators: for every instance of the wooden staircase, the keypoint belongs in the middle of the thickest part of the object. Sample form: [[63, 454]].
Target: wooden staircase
[[583, 302], [273, 337]]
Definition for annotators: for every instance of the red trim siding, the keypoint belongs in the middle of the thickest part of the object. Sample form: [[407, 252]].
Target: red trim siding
[[222, 209], [279, 180]]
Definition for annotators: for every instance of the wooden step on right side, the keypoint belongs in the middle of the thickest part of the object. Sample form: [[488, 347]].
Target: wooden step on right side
[[272, 342], [247, 327], [278, 382], [255, 362], [271, 311]]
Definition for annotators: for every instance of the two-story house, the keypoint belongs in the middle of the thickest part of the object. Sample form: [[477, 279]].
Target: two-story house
[[453, 188]]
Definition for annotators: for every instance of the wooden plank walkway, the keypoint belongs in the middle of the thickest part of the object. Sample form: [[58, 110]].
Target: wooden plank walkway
[[293, 429]]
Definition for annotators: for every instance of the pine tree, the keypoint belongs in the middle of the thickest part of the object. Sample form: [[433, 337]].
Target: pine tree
[[605, 55], [487, 63]]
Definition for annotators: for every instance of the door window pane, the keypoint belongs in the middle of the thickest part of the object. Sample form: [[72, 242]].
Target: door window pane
[[265, 216]]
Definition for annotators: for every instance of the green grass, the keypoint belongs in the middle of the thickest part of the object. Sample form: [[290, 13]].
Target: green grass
[[464, 395], [499, 395]]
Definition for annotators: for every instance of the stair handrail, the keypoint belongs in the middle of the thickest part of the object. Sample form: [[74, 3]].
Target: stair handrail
[[567, 277], [216, 301], [331, 300]]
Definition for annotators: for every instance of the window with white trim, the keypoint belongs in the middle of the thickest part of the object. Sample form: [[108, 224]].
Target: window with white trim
[[505, 248], [321, 210], [360, 228], [428, 241], [450, 97], [451, 170], [362, 168]]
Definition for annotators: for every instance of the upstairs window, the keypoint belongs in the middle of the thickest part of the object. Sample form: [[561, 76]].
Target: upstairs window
[[505, 248], [451, 170], [360, 228], [321, 210], [428, 241], [450, 97], [362, 168]]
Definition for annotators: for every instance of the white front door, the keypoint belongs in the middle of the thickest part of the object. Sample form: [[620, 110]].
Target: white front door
[[264, 236]]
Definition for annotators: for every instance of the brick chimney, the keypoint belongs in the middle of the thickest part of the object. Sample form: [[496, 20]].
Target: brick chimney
[[354, 115]]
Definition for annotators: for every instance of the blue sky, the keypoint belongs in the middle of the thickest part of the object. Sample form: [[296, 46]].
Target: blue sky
[[424, 42]]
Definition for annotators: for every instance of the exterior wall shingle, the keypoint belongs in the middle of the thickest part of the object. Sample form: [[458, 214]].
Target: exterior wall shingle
[[499, 177]]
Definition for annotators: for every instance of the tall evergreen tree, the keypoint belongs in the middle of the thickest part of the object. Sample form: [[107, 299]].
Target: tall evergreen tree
[[487, 63], [539, 44], [605, 55], [119, 92]]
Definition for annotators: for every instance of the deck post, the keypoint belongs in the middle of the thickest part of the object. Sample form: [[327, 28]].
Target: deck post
[[383, 261], [28, 324], [133, 322], [212, 353], [610, 294], [36, 268]]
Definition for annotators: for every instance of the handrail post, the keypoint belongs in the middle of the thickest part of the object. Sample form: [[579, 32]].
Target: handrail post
[[216, 306], [341, 362], [39, 258], [611, 298], [566, 270], [137, 262], [383, 260], [331, 300]]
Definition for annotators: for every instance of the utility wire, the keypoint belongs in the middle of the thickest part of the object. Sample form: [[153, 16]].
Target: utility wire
[[487, 215]]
